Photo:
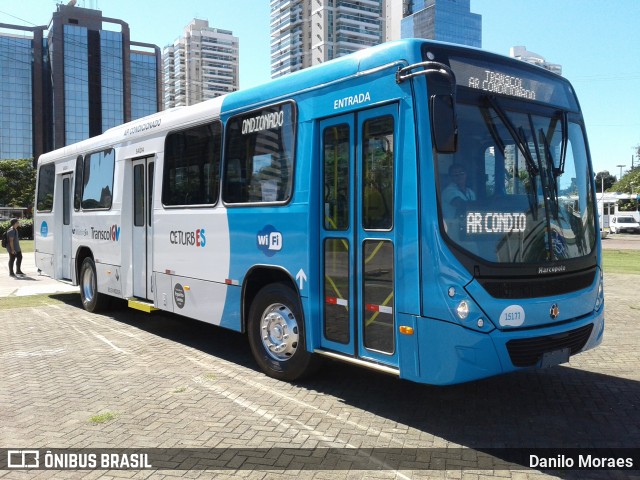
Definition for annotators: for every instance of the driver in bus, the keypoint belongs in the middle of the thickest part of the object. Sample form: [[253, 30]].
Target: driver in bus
[[454, 198], [457, 193]]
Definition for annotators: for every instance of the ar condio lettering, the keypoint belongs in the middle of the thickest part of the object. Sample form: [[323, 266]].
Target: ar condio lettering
[[496, 222]]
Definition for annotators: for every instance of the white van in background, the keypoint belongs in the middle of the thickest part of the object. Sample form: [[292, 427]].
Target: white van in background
[[624, 223]]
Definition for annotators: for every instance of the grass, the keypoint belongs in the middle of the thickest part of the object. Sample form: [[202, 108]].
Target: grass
[[621, 261], [26, 246], [103, 417]]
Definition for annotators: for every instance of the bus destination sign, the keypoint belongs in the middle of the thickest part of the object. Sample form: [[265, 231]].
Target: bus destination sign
[[512, 81], [496, 82]]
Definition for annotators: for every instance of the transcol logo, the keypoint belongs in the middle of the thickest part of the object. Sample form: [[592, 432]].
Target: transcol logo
[[269, 240], [112, 233]]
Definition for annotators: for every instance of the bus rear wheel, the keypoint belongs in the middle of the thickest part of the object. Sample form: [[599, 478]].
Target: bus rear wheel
[[276, 334], [92, 300]]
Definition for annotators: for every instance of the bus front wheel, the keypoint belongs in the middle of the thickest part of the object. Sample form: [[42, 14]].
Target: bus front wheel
[[92, 300], [276, 333]]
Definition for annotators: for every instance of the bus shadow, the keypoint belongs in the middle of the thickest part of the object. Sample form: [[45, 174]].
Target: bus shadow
[[558, 408], [212, 340], [561, 407]]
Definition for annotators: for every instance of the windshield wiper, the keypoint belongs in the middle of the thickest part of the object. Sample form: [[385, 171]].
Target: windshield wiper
[[520, 140], [552, 173], [565, 142], [562, 116], [493, 130]]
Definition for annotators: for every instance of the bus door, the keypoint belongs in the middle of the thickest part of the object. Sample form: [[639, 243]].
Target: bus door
[[142, 227], [67, 201], [357, 234]]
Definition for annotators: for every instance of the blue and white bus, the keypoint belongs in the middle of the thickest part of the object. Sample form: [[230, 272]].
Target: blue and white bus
[[422, 209]]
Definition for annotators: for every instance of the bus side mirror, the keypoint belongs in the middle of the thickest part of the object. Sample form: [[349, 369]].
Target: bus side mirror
[[444, 123]]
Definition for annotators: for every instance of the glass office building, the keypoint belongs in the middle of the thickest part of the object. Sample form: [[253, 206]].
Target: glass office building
[[443, 20], [71, 80], [76, 85], [16, 130], [111, 79], [144, 81]]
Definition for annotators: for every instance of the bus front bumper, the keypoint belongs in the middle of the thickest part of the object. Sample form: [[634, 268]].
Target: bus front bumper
[[444, 353]]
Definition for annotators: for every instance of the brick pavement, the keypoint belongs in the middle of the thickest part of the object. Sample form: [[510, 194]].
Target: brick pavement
[[176, 383]]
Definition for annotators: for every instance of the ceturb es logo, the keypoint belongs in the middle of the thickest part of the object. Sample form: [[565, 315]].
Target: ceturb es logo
[[195, 238]]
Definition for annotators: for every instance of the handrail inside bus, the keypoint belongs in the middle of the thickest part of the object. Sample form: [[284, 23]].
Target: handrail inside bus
[[406, 73]]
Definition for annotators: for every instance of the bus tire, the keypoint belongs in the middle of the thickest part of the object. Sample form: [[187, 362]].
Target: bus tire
[[92, 300], [276, 333]]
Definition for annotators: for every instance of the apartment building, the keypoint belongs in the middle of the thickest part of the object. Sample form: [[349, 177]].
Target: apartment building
[[309, 32], [202, 64]]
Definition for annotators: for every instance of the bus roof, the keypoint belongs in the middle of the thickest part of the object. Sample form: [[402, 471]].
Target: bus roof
[[401, 52], [167, 119], [320, 75]]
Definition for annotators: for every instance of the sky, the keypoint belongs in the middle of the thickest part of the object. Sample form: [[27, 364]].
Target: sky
[[596, 42]]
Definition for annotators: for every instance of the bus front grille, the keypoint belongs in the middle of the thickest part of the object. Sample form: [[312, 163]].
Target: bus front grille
[[528, 352], [538, 287]]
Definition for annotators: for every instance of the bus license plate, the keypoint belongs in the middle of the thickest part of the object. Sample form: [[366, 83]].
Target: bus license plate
[[550, 359]]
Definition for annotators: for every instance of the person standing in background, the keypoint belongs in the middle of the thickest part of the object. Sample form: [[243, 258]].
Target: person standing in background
[[13, 247]]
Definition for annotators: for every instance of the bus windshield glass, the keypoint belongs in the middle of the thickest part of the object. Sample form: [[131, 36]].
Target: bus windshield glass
[[518, 188]]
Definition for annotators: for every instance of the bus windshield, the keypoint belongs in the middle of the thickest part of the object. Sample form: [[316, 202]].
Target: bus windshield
[[518, 188]]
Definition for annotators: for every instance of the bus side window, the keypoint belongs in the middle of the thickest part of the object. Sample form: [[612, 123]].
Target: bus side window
[[77, 193], [192, 166], [46, 180], [97, 192], [336, 158], [259, 156], [377, 175], [235, 185]]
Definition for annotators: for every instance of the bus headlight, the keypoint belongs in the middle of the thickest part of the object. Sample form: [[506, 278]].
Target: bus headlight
[[462, 310], [600, 296]]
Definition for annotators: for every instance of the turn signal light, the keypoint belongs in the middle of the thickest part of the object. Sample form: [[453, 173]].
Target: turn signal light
[[406, 330]]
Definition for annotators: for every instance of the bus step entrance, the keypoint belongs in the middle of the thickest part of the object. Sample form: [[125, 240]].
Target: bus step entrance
[[141, 305]]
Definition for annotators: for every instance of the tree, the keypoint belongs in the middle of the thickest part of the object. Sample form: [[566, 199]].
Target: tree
[[629, 183], [17, 183], [606, 178]]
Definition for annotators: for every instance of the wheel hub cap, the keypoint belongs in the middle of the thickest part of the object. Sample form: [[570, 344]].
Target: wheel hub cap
[[279, 332], [87, 285]]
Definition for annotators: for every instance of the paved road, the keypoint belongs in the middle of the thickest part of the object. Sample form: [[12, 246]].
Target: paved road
[[175, 383], [622, 241], [32, 283]]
